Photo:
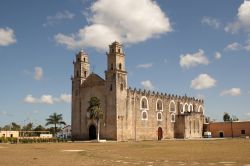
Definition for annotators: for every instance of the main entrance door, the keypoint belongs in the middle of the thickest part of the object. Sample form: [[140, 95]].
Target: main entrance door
[[160, 133], [92, 132]]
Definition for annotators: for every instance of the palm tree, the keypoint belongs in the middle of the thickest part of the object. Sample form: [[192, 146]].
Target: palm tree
[[95, 113], [55, 119]]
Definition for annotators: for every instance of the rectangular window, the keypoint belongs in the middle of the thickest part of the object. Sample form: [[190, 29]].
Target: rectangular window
[[243, 132], [110, 88]]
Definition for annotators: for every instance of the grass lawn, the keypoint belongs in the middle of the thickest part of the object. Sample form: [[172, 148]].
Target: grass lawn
[[226, 152]]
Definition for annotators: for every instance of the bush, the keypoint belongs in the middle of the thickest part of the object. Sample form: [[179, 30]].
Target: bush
[[8, 140], [41, 140]]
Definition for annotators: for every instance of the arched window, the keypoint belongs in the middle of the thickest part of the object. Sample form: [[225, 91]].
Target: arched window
[[186, 108], [120, 66], [85, 73], [159, 116], [110, 87], [112, 50], [84, 60], [159, 105], [119, 50], [144, 108], [144, 103], [77, 73], [190, 108], [201, 109], [111, 67], [195, 108], [173, 117], [144, 115], [172, 106], [181, 108]]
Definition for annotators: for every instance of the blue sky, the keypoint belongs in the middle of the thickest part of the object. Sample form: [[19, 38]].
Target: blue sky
[[198, 48]]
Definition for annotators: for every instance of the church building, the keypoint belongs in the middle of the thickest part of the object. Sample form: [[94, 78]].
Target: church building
[[129, 114]]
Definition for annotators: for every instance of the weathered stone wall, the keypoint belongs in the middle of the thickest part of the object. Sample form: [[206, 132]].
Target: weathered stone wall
[[127, 122], [147, 129]]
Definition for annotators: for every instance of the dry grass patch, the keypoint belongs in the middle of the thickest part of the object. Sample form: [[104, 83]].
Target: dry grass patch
[[215, 152]]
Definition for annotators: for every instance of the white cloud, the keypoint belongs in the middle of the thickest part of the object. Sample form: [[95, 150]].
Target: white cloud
[[146, 65], [7, 36], [147, 85], [58, 17], [242, 21], [113, 22], [233, 47], [248, 114], [231, 92], [213, 22], [191, 60], [203, 81], [38, 73], [97, 35], [47, 99], [217, 55], [65, 98], [247, 46], [30, 99]]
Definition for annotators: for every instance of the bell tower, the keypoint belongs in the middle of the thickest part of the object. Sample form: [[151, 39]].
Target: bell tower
[[81, 72], [116, 74], [116, 87], [81, 67]]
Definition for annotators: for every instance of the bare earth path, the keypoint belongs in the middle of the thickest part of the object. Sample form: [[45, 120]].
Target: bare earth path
[[228, 152]]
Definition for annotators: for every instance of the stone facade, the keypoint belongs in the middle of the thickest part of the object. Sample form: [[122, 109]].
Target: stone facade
[[130, 114]]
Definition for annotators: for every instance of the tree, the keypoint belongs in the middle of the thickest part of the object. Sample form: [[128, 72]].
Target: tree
[[38, 129], [7, 127], [12, 126], [28, 127], [234, 118], [55, 119], [95, 113], [207, 119], [15, 126], [226, 117]]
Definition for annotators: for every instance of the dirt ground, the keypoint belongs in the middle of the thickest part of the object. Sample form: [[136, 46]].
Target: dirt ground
[[228, 152]]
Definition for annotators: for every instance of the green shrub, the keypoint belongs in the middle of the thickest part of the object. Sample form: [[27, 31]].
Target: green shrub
[[40, 140]]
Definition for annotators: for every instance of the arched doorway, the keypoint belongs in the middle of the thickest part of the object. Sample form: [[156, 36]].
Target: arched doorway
[[160, 133], [92, 132]]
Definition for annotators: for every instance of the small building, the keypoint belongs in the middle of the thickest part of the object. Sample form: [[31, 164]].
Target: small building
[[229, 129], [65, 132], [46, 136], [11, 134]]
